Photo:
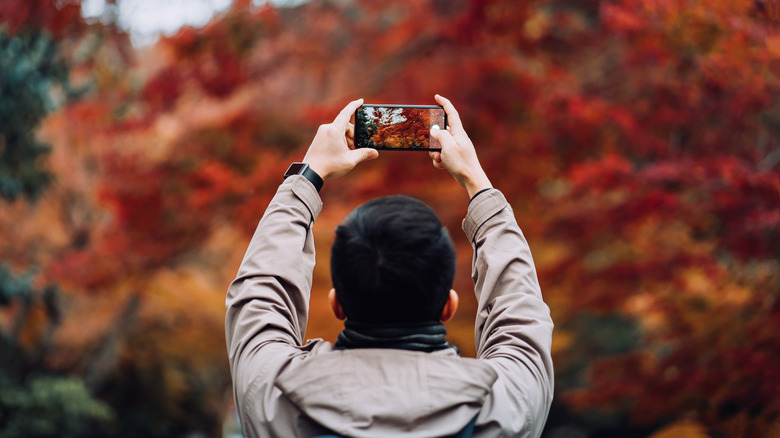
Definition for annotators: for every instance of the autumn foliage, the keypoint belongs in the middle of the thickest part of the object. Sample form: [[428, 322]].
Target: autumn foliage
[[637, 141], [397, 128]]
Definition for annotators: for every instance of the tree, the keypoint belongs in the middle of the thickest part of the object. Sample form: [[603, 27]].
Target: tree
[[31, 66], [407, 128], [35, 400], [365, 129]]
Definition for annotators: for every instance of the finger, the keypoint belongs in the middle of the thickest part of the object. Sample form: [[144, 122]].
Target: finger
[[437, 163], [350, 136], [363, 154], [444, 138], [453, 118], [343, 118]]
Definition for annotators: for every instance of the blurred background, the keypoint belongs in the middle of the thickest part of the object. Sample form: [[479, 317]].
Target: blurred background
[[637, 141]]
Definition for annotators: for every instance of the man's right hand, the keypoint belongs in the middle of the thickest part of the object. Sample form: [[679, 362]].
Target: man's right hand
[[457, 152], [332, 153]]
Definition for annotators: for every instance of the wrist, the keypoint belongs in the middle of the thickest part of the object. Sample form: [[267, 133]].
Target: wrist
[[476, 185], [316, 167], [316, 164]]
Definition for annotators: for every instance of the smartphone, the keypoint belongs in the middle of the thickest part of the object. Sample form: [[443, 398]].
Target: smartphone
[[398, 127]]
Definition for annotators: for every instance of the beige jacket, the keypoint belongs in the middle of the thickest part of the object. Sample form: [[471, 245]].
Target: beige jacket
[[285, 388]]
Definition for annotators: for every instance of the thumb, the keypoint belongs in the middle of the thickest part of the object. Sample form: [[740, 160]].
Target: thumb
[[363, 154], [435, 131], [443, 137]]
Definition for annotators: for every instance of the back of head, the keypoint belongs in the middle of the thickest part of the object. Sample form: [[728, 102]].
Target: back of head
[[392, 262]]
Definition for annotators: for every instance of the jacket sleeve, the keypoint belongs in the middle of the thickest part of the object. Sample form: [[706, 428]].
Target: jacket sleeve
[[513, 329], [268, 302]]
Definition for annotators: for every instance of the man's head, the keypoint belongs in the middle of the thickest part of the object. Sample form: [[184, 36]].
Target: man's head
[[392, 262]]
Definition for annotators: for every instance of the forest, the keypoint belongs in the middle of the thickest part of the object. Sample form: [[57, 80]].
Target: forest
[[638, 142]]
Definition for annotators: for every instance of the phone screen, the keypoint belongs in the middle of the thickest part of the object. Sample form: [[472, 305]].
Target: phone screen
[[398, 127]]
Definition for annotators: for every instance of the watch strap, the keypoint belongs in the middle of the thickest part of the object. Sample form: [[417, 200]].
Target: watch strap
[[313, 177], [307, 172]]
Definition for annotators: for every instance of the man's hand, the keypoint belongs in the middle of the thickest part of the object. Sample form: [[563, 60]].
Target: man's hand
[[457, 152], [332, 153]]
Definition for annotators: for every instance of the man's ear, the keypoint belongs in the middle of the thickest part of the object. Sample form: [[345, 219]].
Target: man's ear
[[450, 306], [335, 305]]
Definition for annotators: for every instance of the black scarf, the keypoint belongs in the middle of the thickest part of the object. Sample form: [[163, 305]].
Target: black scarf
[[428, 337]]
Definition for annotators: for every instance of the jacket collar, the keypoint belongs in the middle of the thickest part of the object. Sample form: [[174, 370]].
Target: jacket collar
[[427, 337]]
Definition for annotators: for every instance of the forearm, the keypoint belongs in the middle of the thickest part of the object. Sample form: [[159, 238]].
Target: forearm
[[269, 299], [513, 325]]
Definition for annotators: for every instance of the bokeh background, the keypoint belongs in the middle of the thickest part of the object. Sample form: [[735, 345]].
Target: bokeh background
[[637, 141]]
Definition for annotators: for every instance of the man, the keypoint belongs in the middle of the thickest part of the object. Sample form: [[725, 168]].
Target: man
[[391, 372]]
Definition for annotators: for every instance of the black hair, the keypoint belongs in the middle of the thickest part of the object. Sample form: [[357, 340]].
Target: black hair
[[392, 262]]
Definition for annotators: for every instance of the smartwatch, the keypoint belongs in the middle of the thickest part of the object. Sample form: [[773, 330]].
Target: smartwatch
[[307, 172]]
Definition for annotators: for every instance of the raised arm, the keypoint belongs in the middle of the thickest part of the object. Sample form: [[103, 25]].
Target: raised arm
[[268, 302], [513, 328]]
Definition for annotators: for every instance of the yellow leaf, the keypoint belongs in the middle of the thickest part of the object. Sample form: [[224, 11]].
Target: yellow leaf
[[561, 341], [685, 429]]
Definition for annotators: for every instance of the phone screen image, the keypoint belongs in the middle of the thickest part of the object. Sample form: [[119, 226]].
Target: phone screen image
[[398, 127]]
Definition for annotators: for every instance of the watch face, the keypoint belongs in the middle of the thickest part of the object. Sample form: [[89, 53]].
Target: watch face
[[295, 169]]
